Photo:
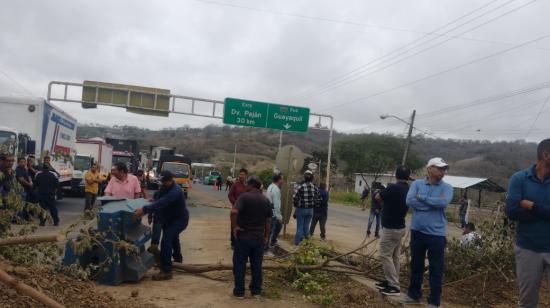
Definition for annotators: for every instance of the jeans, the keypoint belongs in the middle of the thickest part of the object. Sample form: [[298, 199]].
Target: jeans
[[170, 244], [276, 227], [435, 246], [245, 250], [47, 202], [303, 219], [372, 216], [322, 219], [530, 266], [390, 251], [89, 200]]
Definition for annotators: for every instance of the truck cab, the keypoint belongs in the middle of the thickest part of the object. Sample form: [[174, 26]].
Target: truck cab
[[182, 174], [82, 164], [15, 143]]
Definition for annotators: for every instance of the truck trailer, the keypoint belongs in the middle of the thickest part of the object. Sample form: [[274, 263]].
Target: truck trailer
[[53, 131], [126, 151]]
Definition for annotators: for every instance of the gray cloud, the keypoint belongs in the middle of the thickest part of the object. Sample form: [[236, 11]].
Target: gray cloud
[[279, 50]]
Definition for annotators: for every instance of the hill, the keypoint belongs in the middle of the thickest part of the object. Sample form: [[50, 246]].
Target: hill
[[257, 148]]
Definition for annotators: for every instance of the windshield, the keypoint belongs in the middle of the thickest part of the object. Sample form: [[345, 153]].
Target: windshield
[[178, 169], [124, 159], [214, 173], [7, 142], [82, 163]]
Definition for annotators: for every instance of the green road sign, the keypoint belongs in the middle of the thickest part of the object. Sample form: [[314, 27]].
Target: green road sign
[[265, 115]]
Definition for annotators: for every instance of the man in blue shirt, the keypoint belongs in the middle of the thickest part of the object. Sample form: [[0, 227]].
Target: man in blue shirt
[[528, 203], [428, 198], [171, 211]]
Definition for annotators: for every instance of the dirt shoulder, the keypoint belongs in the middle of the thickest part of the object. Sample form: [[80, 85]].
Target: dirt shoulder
[[206, 241]]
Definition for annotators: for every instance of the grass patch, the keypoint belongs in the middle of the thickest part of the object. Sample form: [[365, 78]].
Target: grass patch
[[347, 198]]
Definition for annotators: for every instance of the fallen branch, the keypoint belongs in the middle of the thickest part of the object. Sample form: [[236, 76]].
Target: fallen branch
[[32, 239], [26, 290]]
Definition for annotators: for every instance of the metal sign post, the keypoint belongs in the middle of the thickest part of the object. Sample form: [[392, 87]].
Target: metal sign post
[[152, 101]]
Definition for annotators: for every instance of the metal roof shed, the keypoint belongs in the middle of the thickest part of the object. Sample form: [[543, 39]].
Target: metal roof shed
[[479, 184], [474, 183]]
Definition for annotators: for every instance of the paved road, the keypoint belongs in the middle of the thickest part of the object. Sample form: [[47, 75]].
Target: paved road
[[346, 225]]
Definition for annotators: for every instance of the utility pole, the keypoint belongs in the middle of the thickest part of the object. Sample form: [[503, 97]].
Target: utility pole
[[234, 161], [409, 137]]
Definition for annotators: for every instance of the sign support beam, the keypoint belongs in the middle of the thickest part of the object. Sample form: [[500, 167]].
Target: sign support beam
[[182, 101]]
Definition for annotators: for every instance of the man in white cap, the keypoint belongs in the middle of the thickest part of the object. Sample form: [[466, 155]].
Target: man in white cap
[[428, 197]]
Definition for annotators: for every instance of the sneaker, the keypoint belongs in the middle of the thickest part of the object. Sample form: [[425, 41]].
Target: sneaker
[[238, 296], [377, 235], [323, 239], [257, 297], [432, 306], [162, 276], [381, 285], [408, 300], [391, 291], [368, 234]]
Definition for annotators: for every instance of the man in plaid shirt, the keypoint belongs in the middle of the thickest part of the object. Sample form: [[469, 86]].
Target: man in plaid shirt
[[305, 200]]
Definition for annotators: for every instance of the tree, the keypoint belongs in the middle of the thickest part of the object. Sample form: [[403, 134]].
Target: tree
[[374, 154], [321, 156], [266, 176]]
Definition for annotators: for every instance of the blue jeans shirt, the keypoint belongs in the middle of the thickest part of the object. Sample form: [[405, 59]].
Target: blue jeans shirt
[[428, 202]]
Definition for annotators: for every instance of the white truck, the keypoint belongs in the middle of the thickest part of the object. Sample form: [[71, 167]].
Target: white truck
[[89, 152], [52, 130]]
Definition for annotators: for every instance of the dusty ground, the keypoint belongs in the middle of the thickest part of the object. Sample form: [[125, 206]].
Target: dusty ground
[[206, 240]]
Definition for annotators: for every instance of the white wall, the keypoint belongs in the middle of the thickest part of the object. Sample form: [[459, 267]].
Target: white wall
[[385, 179]]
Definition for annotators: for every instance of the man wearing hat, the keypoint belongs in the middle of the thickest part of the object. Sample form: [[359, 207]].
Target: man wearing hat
[[251, 225], [170, 210], [305, 200], [428, 198]]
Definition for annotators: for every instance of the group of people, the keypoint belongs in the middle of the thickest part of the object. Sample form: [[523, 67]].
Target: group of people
[[33, 183], [257, 220]]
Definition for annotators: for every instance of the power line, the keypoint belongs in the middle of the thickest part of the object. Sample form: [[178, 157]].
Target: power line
[[364, 71], [440, 72], [537, 117], [486, 100], [16, 83]]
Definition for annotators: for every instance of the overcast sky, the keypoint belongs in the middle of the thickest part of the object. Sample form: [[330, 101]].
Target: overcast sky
[[354, 59]]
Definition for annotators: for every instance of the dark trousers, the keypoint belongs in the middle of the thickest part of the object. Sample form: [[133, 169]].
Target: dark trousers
[[170, 244], [462, 219], [245, 250], [47, 202], [322, 219], [276, 226], [156, 232], [89, 200], [435, 246]]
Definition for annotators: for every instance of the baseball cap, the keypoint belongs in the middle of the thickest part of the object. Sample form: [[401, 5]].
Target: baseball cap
[[166, 176], [308, 172], [437, 162]]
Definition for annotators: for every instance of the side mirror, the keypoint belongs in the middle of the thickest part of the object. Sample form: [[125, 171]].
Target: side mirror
[[31, 147]]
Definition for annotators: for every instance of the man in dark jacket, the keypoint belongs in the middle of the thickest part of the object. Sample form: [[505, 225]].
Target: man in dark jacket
[[320, 213], [46, 184], [365, 198], [251, 225], [172, 213]]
